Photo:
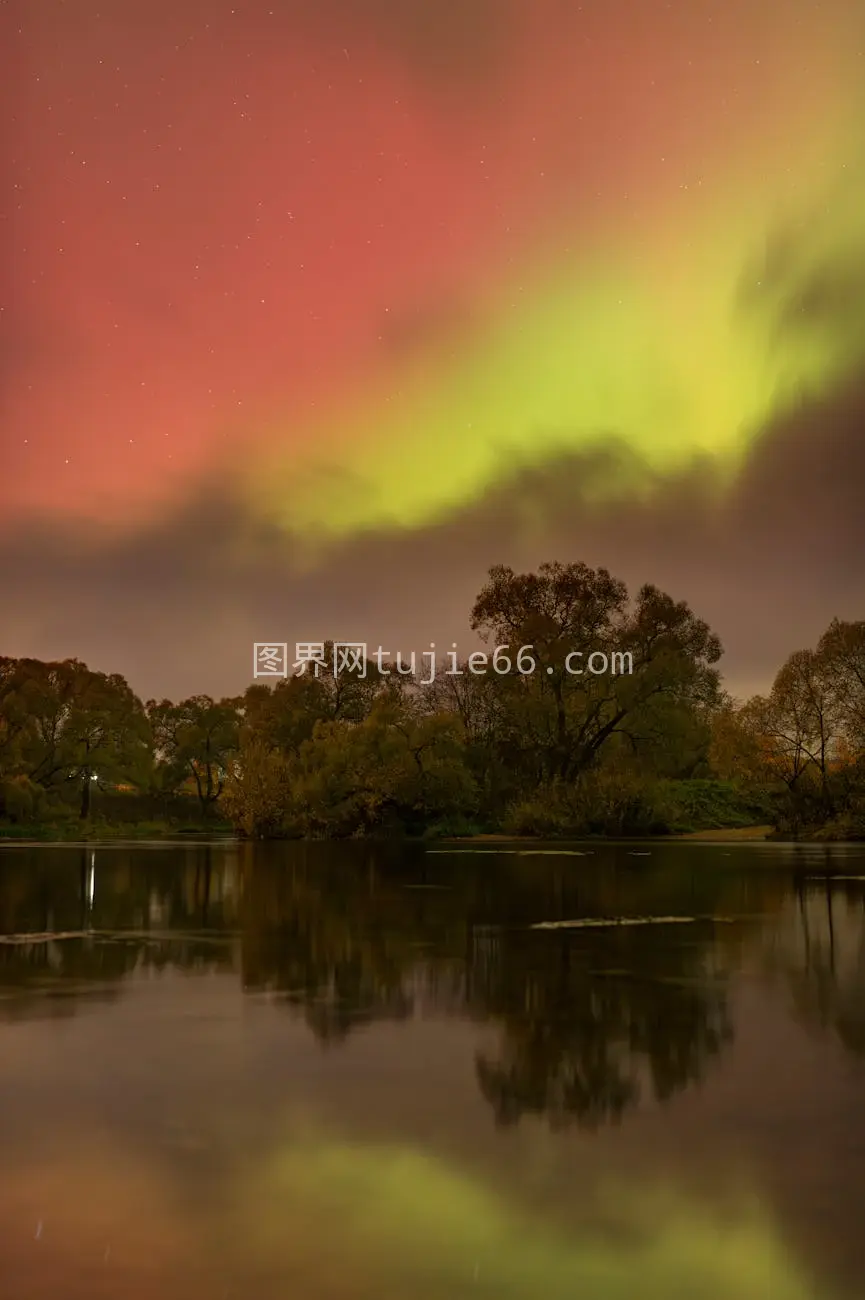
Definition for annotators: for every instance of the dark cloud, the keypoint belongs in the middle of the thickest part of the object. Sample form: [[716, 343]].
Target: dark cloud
[[808, 279], [452, 45], [176, 608], [460, 47], [836, 298]]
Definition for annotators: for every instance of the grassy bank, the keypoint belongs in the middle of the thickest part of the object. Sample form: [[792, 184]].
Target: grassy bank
[[726, 834], [78, 832]]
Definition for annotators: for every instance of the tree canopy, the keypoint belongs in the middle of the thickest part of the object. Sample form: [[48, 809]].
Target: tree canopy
[[588, 711]]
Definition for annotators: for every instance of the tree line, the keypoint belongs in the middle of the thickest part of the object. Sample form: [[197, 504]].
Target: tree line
[[547, 752]]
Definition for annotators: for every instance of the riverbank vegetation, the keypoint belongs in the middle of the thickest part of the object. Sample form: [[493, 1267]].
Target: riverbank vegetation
[[496, 746]]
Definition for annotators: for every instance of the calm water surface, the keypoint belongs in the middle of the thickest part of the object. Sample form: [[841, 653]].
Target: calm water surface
[[345, 1072]]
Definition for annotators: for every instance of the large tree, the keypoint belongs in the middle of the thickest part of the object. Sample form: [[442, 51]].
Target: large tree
[[841, 651], [401, 765], [196, 739], [559, 718], [63, 722]]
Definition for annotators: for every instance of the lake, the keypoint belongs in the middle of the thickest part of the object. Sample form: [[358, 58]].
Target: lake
[[357, 1071]]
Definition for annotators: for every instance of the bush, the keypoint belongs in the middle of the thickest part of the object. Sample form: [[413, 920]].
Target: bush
[[698, 805], [542, 817], [21, 800], [455, 826], [620, 803]]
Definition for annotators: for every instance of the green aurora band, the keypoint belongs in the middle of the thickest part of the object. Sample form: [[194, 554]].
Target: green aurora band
[[687, 349], [409, 1224]]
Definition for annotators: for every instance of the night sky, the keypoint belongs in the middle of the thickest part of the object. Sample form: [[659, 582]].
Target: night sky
[[311, 311]]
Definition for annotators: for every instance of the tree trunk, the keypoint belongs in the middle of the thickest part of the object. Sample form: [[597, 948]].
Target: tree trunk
[[85, 797]]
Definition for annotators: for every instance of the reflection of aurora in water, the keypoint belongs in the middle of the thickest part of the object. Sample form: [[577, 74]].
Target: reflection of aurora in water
[[413, 1221], [329, 1220]]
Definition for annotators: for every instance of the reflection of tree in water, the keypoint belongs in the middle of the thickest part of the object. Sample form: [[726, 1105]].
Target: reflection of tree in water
[[51, 978], [591, 1020], [818, 949], [585, 1016], [316, 958], [329, 942], [585, 1020], [96, 917]]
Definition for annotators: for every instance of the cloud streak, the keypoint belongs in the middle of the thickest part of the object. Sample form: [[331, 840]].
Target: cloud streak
[[176, 606]]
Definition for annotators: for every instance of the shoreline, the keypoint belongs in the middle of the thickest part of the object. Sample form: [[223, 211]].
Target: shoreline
[[33, 836], [721, 835], [726, 834]]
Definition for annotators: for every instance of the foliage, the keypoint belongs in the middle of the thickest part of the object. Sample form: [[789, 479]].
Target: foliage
[[805, 740], [66, 725], [194, 740], [255, 796], [529, 743]]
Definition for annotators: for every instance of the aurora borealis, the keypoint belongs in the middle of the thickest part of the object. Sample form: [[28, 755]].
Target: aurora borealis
[[363, 276]]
